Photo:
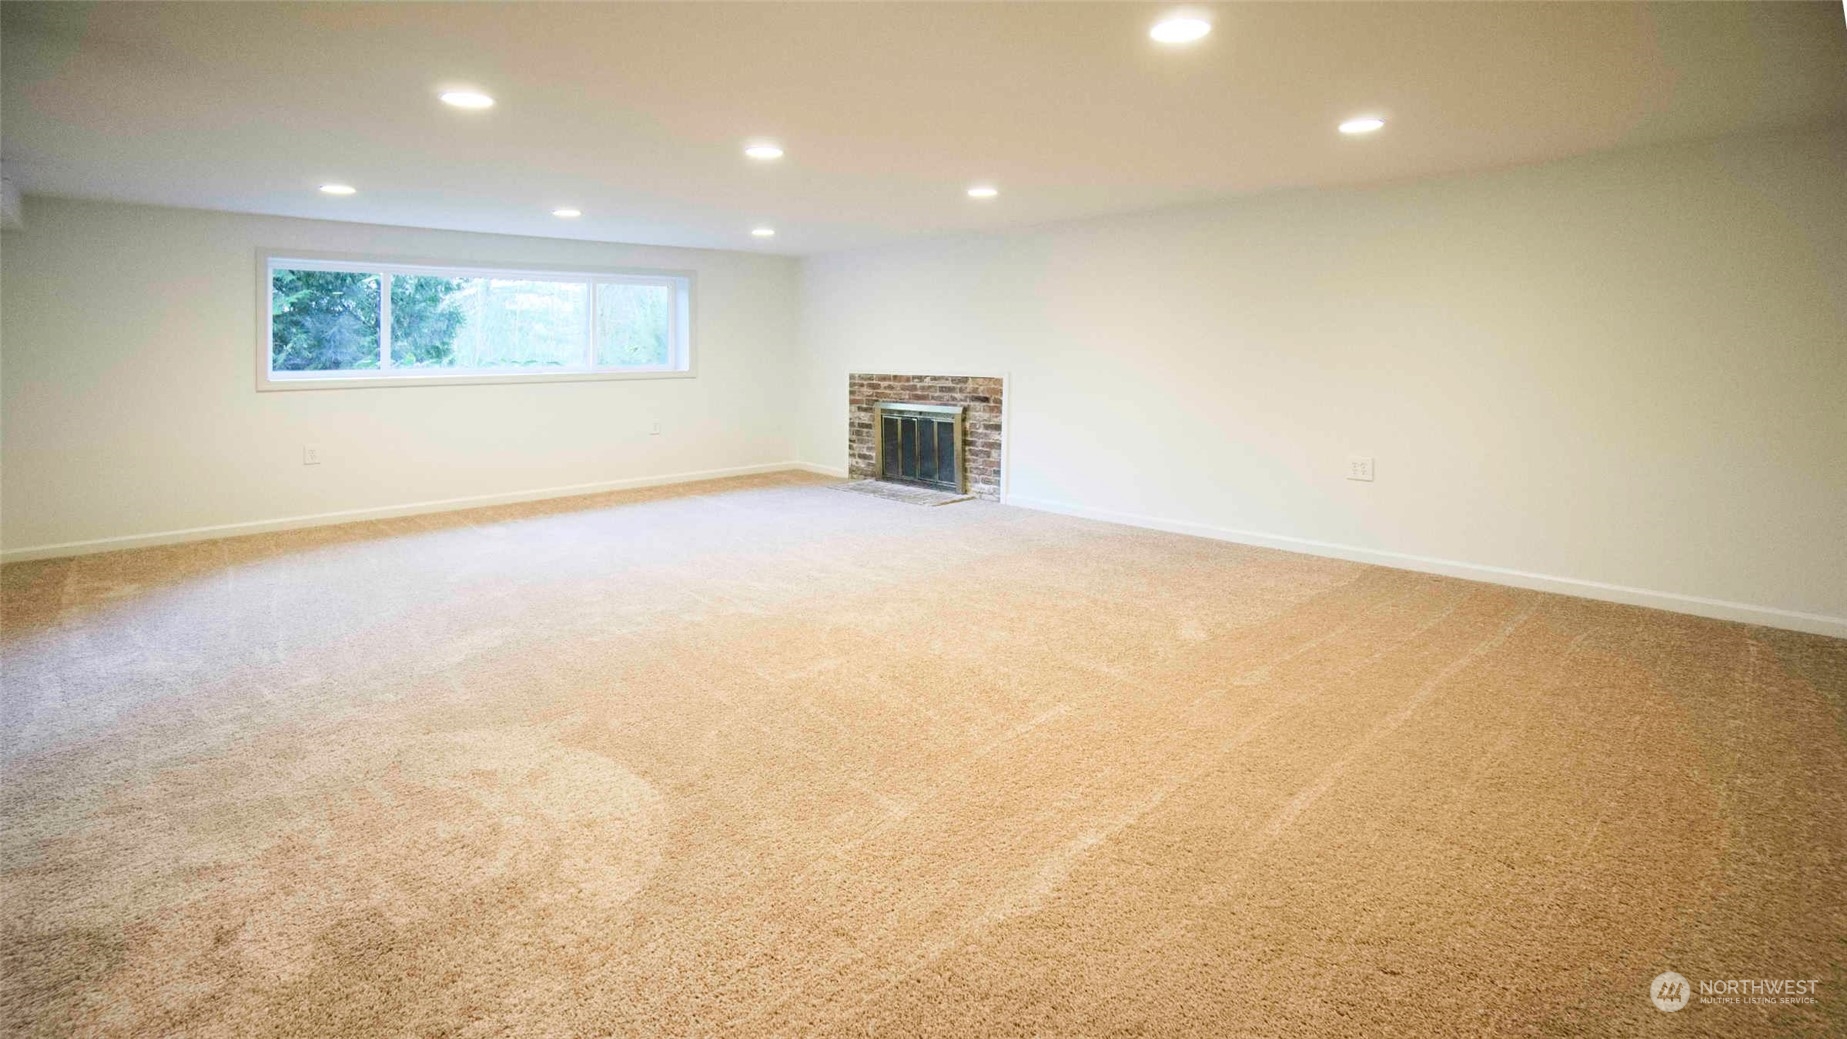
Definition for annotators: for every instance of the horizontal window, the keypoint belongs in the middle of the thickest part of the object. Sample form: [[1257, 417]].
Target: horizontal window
[[339, 322]]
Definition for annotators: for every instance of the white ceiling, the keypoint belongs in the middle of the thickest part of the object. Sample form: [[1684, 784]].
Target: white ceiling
[[637, 113]]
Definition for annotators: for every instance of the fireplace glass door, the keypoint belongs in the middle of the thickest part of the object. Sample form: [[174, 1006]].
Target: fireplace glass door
[[921, 444]]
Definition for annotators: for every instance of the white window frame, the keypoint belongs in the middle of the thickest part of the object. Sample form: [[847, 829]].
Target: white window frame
[[680, 323]]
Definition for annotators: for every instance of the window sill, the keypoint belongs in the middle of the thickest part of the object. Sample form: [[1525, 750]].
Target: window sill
[[268, 383]]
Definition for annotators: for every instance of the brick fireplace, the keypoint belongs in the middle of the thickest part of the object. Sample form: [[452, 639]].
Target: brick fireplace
[[978, 396]]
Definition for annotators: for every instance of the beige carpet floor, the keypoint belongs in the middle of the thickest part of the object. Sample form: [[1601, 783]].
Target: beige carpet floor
[[758, 758]]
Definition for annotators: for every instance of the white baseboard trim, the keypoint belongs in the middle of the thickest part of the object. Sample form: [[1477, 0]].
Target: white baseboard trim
[[1720, 609], [1813, 623], [321, 519]]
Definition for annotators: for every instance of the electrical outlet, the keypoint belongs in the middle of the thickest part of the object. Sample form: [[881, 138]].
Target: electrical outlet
[[654, 430], [1359, 467], [310, 454]]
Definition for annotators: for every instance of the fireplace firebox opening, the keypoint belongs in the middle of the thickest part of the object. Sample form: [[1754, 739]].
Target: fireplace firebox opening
[[921, 444]]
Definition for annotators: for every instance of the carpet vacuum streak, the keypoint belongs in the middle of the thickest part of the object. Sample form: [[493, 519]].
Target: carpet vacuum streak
[[755, 758]]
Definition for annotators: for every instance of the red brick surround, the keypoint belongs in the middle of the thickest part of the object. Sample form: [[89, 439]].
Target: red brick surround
[[980, 422]]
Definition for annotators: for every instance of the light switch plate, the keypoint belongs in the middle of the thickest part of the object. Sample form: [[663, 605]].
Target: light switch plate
[[1359, 467]]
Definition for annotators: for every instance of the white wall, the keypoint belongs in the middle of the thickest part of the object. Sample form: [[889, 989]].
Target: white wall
[[1629, 370], [129, 407]]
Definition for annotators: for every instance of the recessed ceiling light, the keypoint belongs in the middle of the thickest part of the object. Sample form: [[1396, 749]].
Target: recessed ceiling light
[[338, 189], [568, 213], [983, 191], [764, 151], [1179, 30], [763, 232], [466, 99], [1363, 124]]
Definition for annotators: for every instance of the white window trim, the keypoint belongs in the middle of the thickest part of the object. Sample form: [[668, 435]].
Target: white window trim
[[682, 314]]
